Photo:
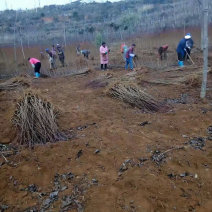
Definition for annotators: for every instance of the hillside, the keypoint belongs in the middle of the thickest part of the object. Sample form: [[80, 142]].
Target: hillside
[[94, 21]]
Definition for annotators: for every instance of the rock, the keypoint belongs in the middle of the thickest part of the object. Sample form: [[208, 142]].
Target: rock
[[79, 154], [97, 151], [47, 203], [144, 123], [197, 143], [53, 196], [171, 175], [69, 176], [209, 130], [127, 161], [195, 176], [32, 188], [185, 136], [123, 168], [94, 181], [184, 174], [66, 201], [63, 188], [4, 207]]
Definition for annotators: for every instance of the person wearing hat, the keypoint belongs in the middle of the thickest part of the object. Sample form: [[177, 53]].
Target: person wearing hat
[[36, 64], [104, 56], [189, 46], [181, 49], [129, 57], [51, 59]]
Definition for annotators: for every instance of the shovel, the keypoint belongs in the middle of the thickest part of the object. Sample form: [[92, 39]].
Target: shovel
[[189, 57]]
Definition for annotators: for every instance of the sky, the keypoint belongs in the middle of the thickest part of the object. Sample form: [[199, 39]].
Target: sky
[[29, 4]]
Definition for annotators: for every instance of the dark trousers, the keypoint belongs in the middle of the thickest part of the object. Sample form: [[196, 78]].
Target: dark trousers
[[37, 67], [102, 66], [162, 53], [186, 54], [180, 56], [62, 60]]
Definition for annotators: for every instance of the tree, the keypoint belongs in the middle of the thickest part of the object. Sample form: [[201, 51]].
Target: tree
[[205, 47]]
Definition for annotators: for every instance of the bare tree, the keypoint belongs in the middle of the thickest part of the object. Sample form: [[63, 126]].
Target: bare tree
[[201, 23], [205, 47], [15, 55]]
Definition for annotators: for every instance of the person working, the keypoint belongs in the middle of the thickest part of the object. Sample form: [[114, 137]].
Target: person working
[[162, 52], [124, 49], [36, 64], [129, 57], [181, 49], [51, 59], [61, 55], [189, 46]]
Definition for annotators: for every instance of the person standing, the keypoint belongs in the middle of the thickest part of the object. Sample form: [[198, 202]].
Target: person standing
[[61, 55], [189, 46], [129, 57], [104, 56], [51, 59], [124, 49], [36, 64]]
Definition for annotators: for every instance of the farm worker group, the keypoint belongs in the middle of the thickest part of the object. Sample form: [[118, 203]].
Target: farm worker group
[[184, 49], [183, 52]]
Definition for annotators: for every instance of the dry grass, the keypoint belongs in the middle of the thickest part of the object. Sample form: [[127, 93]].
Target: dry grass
[[35, 120], [15, 83], [100, 82], [131, 94]]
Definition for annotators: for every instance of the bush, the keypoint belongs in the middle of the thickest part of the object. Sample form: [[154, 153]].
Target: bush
[[98, 39]]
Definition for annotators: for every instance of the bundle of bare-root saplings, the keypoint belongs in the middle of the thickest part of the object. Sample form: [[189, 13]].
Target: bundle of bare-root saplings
[[131, 94], [35, 120]]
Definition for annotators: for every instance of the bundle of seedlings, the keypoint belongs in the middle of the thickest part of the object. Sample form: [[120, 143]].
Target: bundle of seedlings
[[131, 94], [191, 80], [35, 120], [14, 83]]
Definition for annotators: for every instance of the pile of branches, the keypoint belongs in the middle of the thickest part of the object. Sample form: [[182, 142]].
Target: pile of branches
[[35, 120], [191, 80], [134, 96], [14, 84], [100, 82]]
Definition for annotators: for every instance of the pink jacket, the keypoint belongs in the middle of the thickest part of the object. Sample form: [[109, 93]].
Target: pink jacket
[[103, 56], [33, 61]]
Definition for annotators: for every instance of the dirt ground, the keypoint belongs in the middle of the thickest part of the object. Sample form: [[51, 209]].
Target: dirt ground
[[181, 181]]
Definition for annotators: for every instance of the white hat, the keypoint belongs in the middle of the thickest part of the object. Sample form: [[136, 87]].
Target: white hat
[[188, 36]]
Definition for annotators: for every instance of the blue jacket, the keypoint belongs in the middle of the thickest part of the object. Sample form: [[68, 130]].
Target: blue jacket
[[181, 47], [190, 43]]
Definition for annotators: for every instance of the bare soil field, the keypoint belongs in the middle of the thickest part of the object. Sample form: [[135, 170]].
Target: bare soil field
[[121, 158]]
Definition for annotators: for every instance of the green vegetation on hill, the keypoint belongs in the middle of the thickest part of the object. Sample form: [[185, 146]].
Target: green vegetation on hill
[[84, 21]]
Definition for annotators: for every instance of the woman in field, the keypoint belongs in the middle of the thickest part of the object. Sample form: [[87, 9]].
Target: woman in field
[[36, 64], [104, 56], [51, 60]]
